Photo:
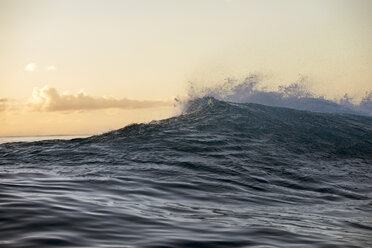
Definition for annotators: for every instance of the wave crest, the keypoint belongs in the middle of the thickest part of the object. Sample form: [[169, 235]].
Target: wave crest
[[296, 96]]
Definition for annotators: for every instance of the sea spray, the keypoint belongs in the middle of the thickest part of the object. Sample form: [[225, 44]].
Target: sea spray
[[296, 95]]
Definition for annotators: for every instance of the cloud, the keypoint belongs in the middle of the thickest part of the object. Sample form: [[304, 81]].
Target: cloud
[[30, 67], [3, 104], [49, 99], [50, 68]]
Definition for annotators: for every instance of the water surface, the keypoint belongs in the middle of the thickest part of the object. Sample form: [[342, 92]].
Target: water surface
[[220, 175]]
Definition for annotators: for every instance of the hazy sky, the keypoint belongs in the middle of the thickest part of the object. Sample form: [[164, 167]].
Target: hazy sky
[[91, 66]]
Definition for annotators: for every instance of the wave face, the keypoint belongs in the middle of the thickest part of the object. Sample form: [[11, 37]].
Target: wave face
[[220, 175]]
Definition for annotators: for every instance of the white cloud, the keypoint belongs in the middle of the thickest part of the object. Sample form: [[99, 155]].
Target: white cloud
[[49, 99], [30, 67], [3, 104], [50, 68]]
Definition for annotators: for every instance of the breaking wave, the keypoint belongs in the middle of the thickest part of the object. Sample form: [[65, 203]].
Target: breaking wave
[[295, 95]]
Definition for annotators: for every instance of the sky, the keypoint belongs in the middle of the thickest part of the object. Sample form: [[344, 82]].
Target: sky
[[90, 66]]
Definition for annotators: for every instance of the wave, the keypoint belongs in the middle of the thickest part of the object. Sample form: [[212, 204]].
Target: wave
[[295, 95], [283, 128], [295, 131], [258, 127]]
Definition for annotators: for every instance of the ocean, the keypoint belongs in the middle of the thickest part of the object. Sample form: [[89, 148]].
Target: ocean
[[221, 174], [9, 139]]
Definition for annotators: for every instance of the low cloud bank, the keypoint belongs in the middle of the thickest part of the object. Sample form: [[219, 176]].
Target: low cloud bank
[[3, 104], [49, 99], [30, 67]]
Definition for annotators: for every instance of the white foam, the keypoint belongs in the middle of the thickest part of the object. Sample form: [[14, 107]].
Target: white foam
[[295, 96]]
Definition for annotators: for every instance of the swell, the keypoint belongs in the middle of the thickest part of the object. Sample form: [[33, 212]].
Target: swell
[[241, 123], [214, 123]]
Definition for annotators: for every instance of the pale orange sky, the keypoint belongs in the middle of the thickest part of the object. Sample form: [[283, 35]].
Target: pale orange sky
[[112, 51]]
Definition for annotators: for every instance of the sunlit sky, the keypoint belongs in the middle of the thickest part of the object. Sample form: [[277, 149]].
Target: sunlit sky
[[84, 67]]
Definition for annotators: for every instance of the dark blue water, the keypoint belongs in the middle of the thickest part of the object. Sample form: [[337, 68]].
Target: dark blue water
[[220, 175]]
